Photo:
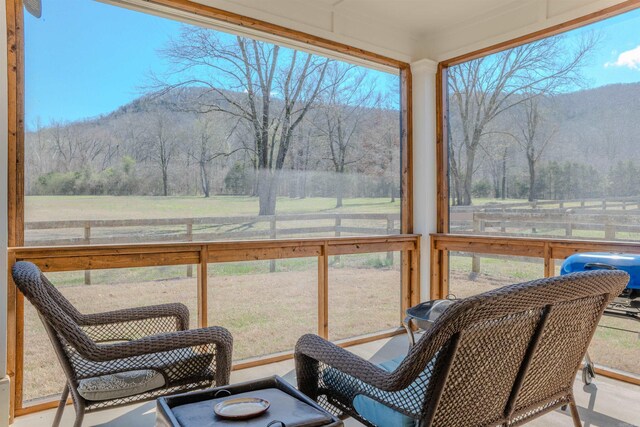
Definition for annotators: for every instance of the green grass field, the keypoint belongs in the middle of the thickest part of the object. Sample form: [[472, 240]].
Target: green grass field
[[52, 208]]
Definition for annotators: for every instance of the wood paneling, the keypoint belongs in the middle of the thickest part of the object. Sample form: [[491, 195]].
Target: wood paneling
[[406, 149]]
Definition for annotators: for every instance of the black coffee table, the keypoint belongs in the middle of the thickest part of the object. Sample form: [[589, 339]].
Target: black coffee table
[[288, 408]]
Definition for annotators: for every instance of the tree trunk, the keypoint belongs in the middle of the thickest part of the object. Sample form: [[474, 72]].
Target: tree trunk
[[532, 179], [267, 191], [204, 179], [468, 178], [392, 193], [504, 174], [339, 189], [165, 181]]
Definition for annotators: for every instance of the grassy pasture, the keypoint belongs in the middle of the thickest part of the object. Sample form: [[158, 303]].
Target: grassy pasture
[[52, 208]]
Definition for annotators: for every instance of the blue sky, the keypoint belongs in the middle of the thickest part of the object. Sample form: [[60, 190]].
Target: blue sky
[[85, 58]]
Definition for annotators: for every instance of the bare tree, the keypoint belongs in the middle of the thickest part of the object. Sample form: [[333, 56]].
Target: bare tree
[[270, 87], [344, 114], [482, 89], [161, 142], [534, 134], [212, 143]]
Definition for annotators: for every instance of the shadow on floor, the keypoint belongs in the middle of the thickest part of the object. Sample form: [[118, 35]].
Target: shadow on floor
[[144, 415]]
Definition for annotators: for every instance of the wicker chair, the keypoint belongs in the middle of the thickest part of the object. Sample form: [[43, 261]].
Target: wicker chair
[[500, 358], [124, 356]]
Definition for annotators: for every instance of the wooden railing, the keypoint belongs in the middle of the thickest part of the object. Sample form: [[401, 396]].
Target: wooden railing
[[91, 257], [547, 249], [156, 230]]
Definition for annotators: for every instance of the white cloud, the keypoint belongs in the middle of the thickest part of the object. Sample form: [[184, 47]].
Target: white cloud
[[628, 58]]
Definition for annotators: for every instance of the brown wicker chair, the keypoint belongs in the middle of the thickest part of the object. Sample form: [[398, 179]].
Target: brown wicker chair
[[124, 356], [500, 358]]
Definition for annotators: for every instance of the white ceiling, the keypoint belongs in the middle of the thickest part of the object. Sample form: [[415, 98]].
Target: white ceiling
[[410, 30]]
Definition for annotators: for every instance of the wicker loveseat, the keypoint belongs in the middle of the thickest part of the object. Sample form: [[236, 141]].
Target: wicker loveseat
[[125, 356], [500, 358]]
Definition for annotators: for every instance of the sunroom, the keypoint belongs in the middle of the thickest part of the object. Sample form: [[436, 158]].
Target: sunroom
[[287, 168]]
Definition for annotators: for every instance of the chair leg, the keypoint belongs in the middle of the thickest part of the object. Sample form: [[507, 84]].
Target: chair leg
[[79, 407], [574, 414], [61, 405], [79, 416]]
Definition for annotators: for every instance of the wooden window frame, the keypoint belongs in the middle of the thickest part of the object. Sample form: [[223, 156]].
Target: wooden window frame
[[122, 256], [442, 242]]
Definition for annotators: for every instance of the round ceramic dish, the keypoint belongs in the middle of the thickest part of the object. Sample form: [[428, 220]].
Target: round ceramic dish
[[241, 408]]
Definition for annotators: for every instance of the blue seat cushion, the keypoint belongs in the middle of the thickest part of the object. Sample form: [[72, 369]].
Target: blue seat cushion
[[374, 411]]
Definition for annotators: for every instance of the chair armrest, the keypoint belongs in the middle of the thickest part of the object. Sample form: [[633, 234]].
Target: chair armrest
[[311, 349], [216, 335], [179, 311]]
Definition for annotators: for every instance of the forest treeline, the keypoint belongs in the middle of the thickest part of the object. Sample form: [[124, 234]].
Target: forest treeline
[[127, 152], [591, 151]]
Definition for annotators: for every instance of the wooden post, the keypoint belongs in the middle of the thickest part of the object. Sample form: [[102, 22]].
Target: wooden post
[[405, 283], [323, 292], [12, 336], [202, 288], [338, 233], [604, 204], [568, 231], [390, 231], [190, 239], [87, 241], [415, 275], [272, 263], [478, 227], [549, 262], [609, 231]]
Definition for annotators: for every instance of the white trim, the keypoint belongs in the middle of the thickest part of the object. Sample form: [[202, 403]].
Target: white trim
[[424, 65]]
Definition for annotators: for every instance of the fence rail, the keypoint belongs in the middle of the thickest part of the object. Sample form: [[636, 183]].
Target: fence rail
[[588, 218], [189, 229]]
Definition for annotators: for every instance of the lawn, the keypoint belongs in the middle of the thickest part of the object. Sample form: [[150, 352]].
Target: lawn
[[53, 208]]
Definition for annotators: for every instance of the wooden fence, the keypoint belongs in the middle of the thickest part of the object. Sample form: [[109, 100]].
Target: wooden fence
[[605, 219], [201, 229]]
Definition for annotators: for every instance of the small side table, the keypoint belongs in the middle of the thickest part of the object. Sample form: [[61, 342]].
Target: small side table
[[288, 407], [424, 315]]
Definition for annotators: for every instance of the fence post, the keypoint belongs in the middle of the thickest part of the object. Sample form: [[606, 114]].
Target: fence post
[[272, 224], [478, 227], [189, 239], [604, 204], [87, 240], [390, 223], [338, 233], [609, 231]]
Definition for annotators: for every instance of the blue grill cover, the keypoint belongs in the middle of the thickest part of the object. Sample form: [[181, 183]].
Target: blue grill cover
[[599, 260]]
